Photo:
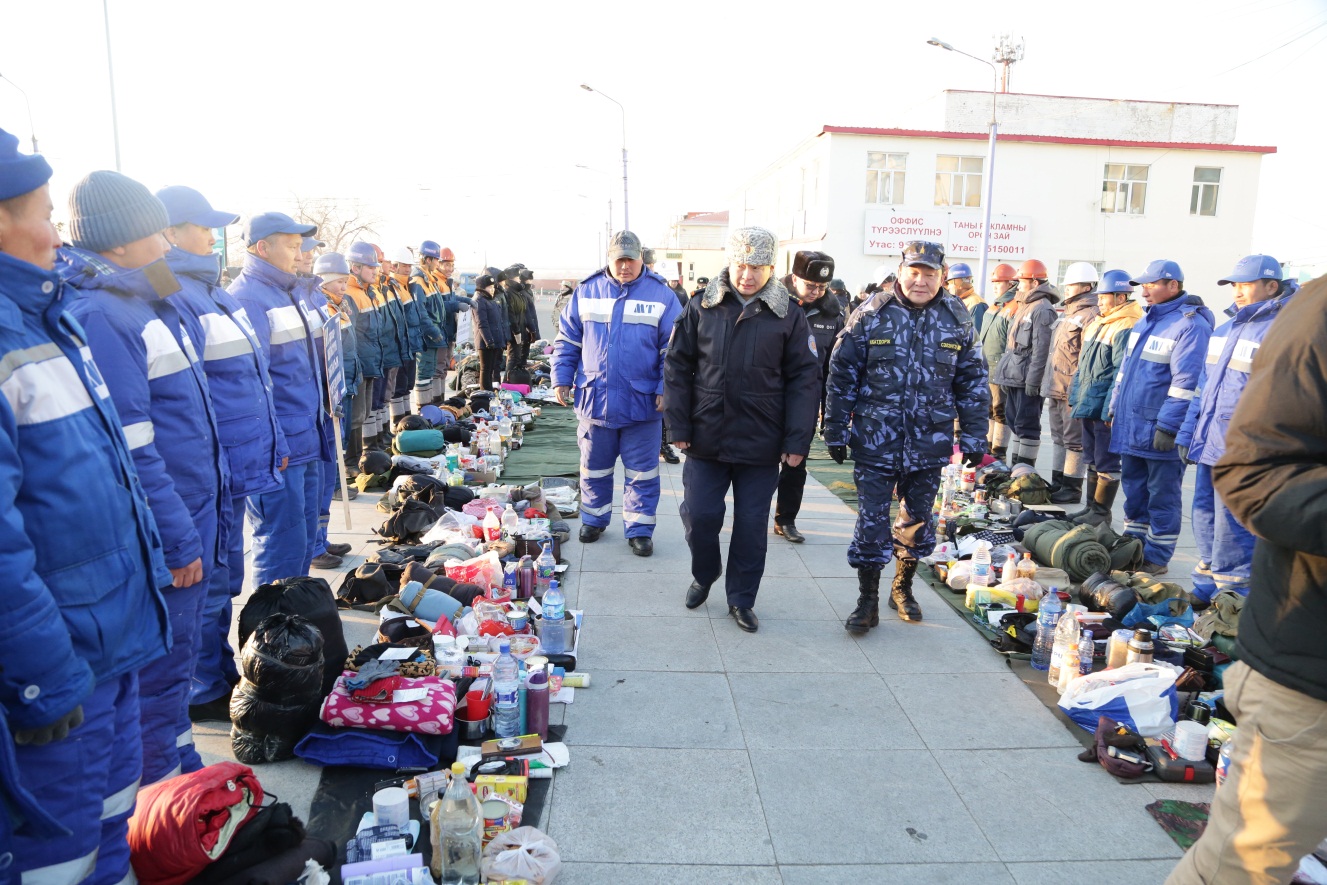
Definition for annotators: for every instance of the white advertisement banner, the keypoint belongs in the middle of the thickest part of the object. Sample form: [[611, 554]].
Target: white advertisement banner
[[959, 231]]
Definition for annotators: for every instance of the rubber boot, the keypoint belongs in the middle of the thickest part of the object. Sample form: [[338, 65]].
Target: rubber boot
[[900, 595], [999, 453], [1071, 490], [1057, 481], [1102, 502], [1091, 485], [1019, 459], [867, 613]]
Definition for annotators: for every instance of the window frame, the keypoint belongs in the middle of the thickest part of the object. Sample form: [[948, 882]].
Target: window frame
[[1131, 187], [876, 176], [1201, 188], [966, 175]]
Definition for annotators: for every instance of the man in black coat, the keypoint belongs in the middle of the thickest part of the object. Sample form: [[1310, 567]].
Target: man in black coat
[[741, 388], [1272, 809], [808, 284]]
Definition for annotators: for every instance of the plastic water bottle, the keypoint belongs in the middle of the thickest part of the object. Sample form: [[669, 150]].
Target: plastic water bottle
[[510, 521], [506, 693], [981, 565], [1069, 664], [1009, 572], [1066, 635], [1223, 760], [544, 566], [492, 526], [1048, 616], [460, 831], [1087, 649], [555, 606]]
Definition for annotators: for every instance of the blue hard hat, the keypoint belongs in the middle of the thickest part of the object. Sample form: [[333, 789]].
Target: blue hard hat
[[362, 253], [332, 262], [1161, 269], [430, 249], [960, 271], [1115, 282], [1251, 268]]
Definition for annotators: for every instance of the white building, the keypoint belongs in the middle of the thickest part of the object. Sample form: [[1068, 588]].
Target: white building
[[694, 247], [1114, 183]]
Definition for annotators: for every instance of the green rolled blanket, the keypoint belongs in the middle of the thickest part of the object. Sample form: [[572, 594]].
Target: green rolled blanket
[[1064, 545]]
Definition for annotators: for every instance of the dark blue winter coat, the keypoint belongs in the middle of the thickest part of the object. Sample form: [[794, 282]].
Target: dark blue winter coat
[[237, 374], [285, 334], [159, 388], [491, 322], [79, 548], [899, 377], [1230, 353], [1160, 375]]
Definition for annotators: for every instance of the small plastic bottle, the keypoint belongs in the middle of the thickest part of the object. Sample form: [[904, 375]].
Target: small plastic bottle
[[460, 827], [1048, 616], [492, 526], [545, 568], [981, 565], [1223, 760], [506, 693], [1027, 567], [1010, 569], [1069, 666], [510, 521], [1087, 649], [555, 607]]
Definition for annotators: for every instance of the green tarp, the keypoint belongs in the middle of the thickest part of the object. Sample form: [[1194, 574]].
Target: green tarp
[[549, 448]]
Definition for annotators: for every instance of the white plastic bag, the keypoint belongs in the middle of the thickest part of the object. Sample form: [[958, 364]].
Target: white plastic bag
[[1141, 696], [522, 853]]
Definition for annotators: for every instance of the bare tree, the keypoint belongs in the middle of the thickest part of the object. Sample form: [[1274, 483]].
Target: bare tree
[[339, 222]]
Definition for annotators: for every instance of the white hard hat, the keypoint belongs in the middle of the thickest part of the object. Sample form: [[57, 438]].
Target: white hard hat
[[1080, 272], [882, 273], [404, 256]]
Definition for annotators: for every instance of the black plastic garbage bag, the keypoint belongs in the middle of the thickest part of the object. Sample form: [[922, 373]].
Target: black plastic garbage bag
[[280, 690], [310, 598]]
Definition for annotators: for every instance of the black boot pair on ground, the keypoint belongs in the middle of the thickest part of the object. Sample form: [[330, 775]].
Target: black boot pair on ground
[[867, 613]]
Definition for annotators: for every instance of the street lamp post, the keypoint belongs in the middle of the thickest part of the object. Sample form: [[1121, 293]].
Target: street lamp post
[[990, 163], [110, 73], [32, 129], [626, 221]]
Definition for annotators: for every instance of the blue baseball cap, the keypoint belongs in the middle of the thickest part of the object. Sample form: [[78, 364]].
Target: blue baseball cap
[[184, 204], [311, 243], [960, 271], [1161, 269], [263, 226], [20, 173], [1251, 268]]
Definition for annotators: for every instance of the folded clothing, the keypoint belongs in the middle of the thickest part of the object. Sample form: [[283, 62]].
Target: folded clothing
[[429, 714], [364, 748]]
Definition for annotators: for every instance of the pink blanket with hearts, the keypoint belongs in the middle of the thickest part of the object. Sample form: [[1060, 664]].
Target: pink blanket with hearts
[[430, 714]]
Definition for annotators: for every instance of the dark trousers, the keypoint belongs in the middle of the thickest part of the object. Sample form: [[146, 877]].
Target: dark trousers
[[913, 532], [1096, 448], [704, 485], [792, 482], [1023, 414], [517, 357], [489, 358]]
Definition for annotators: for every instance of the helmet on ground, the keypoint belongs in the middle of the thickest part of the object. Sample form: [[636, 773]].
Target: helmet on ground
[[1080, 272], [1003, 273], [331, 262], [1115, 282], [447, 255], [1032, 269], [404, 256], [362, 253], [430, 249], [960, 271]]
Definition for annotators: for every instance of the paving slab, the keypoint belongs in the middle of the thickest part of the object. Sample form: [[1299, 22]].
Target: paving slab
[[967, 711], [842, 596], [784, 597], [848, 711], [889, 806], [1109, 819], [1134, 872], [787, 646], [666, 874], [909, 873], [933, 645], [673, 644], [660, 806], [685, 710]]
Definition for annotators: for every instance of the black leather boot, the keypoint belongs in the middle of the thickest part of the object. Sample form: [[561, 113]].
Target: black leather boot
[[1057, 481], [1071, 491], [900, 595], [1102, 502], [867, 613], [1091, 485], [999, 453]]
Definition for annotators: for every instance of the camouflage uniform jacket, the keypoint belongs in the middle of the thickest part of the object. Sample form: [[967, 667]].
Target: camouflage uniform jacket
[[1067, 344], [1028, 345], [898, 378]]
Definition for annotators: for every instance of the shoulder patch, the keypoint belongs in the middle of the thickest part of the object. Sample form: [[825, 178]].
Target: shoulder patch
[[811, 342], [950, 345]]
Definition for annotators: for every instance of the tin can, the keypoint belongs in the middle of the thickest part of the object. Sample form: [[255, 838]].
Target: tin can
[[497, 817]]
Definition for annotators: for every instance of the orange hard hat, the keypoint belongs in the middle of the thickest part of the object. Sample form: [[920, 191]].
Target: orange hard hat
[[448, 255], [1003, 273], [377, 250], [1032, 269]]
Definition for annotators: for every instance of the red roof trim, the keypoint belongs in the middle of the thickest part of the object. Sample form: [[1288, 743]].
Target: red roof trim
[[1056, 139]]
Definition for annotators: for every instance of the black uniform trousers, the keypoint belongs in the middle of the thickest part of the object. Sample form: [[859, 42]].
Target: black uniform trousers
[[704, 485]]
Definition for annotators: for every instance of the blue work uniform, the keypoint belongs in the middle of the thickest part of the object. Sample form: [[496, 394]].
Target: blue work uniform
[[82, 610], [157, 383], [1157, 382]]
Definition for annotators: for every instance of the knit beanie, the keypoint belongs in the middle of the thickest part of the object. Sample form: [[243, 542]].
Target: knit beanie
[[107, 209], [20, 173]]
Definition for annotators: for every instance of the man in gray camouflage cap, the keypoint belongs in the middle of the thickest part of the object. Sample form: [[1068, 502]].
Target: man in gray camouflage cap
[[742, 390]]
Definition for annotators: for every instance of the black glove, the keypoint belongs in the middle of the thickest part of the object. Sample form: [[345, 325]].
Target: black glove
[[838, 453], [1163, 441], [1184, 454], [973, 459], [56, 731]]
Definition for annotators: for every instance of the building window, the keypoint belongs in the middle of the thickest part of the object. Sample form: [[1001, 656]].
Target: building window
[[884, 177], [1124, 189], [958, 181], [1206, 184]]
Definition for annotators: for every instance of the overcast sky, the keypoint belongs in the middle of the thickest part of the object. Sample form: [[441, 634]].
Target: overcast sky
[[464, 122]]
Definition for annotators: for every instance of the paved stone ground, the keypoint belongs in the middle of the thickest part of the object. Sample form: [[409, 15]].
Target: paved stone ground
[[797, 754]]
